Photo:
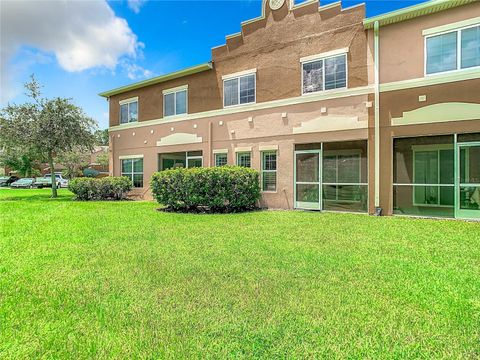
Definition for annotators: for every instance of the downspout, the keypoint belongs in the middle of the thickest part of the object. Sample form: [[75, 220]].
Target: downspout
[[210, 126], [376, 63]]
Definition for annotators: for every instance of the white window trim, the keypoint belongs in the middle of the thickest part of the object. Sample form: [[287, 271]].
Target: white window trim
[[452, 26], [127, 102], [237, 153], [313, 58], [323, 55], [269, 171], [131, 176], [218, 154], [175, 91], [238, 76], [459, 51], [128, 157], [196, 157], [220, 151]]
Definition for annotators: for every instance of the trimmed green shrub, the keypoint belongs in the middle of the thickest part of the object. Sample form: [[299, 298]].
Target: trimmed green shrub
[[217, 189], [106, 188]]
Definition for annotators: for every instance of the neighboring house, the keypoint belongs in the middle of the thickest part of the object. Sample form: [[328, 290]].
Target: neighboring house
[[336, 111], [96, 163]]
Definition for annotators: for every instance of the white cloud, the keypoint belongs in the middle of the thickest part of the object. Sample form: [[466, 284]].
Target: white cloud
[[80, 34], [135, 71], [136, 5]]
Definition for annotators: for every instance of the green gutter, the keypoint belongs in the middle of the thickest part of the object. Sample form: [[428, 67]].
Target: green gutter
[[159, 79], [426, 8]]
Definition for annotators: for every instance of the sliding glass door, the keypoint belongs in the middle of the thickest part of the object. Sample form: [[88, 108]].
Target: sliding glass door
[[468, 184]]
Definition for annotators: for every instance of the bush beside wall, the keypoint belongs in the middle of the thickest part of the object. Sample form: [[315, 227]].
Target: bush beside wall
[[107, 188], [217, 189]]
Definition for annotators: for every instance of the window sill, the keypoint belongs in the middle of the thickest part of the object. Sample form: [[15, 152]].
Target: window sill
[[451, 72], [239, 105], [324, 91]]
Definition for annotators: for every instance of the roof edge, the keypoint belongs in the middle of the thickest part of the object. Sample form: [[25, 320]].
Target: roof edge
[[428, 7], [159, 79]]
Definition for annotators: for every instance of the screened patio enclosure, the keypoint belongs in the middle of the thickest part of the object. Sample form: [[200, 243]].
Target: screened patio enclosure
[[331, 176], [437, 176], [183, 159]]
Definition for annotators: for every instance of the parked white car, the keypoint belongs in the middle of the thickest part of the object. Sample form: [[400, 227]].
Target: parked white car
[[61, 181]]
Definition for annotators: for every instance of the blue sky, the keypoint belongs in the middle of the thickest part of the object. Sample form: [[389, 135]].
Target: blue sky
[[81, 57]]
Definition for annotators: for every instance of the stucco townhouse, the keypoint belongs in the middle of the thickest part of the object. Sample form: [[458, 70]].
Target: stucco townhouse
[[337, 112]]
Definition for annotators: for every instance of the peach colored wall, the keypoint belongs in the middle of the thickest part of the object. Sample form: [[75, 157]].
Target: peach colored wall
[[268, 127], [402, 45], [274, 47], [394, 103]]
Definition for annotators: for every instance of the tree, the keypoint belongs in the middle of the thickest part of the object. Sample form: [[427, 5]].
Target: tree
[[101, 137], [45, 127], [103, 159], [24, 164], [74, 161]]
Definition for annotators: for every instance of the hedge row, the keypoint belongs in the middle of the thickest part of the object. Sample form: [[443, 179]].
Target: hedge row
[[107, 188], [217, 189]]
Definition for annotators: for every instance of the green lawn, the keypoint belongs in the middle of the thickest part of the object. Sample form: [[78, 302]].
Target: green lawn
[[121, 280]]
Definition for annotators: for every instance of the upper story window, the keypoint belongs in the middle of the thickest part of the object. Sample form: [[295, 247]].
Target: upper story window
[[453, 50], [175, 101], [128, 110], [239, 88], [325, 72]]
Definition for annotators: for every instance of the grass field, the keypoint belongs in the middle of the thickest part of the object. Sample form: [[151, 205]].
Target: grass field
[[122, 280]]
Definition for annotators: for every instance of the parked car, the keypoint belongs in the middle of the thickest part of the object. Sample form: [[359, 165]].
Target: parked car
[[61, 181], [25, 183], [41, 182], [7, 180]]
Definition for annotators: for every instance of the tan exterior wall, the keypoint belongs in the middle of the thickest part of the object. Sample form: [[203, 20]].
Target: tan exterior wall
[[402, 55], [267, 127], [274, 47], [394, 103]]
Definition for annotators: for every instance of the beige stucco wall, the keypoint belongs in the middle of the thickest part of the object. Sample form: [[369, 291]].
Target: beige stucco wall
[[394, 103], [402, 54], [267, 127], [274, 47]]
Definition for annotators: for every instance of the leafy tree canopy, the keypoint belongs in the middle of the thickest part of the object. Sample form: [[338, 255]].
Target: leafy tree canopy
[[45, 127]]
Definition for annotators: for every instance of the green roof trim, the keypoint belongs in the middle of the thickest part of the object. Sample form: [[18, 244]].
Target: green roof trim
[[426, 8], [159, 79]]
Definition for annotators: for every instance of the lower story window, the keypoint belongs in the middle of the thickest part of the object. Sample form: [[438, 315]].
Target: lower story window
[[133, 169], [221, 159], [244, 159], [269, 171]]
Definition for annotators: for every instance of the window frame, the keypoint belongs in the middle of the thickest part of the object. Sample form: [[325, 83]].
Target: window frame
[[131, 175], [437, 148], [127, 102], [458, 32], [222, 154], [238, 76], [175, 91], [263, 153], [323, 58], [238, 153]]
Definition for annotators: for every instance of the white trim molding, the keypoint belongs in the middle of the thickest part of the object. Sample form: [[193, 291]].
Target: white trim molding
[[128, 157], [268, 148], [324, 55], [238, 74], [317, 96], [220, 151], [460, 75], [179, 139], [175, 89], [329, 123], [442, 112], [128, 101], [243, 149], [452, 26]]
